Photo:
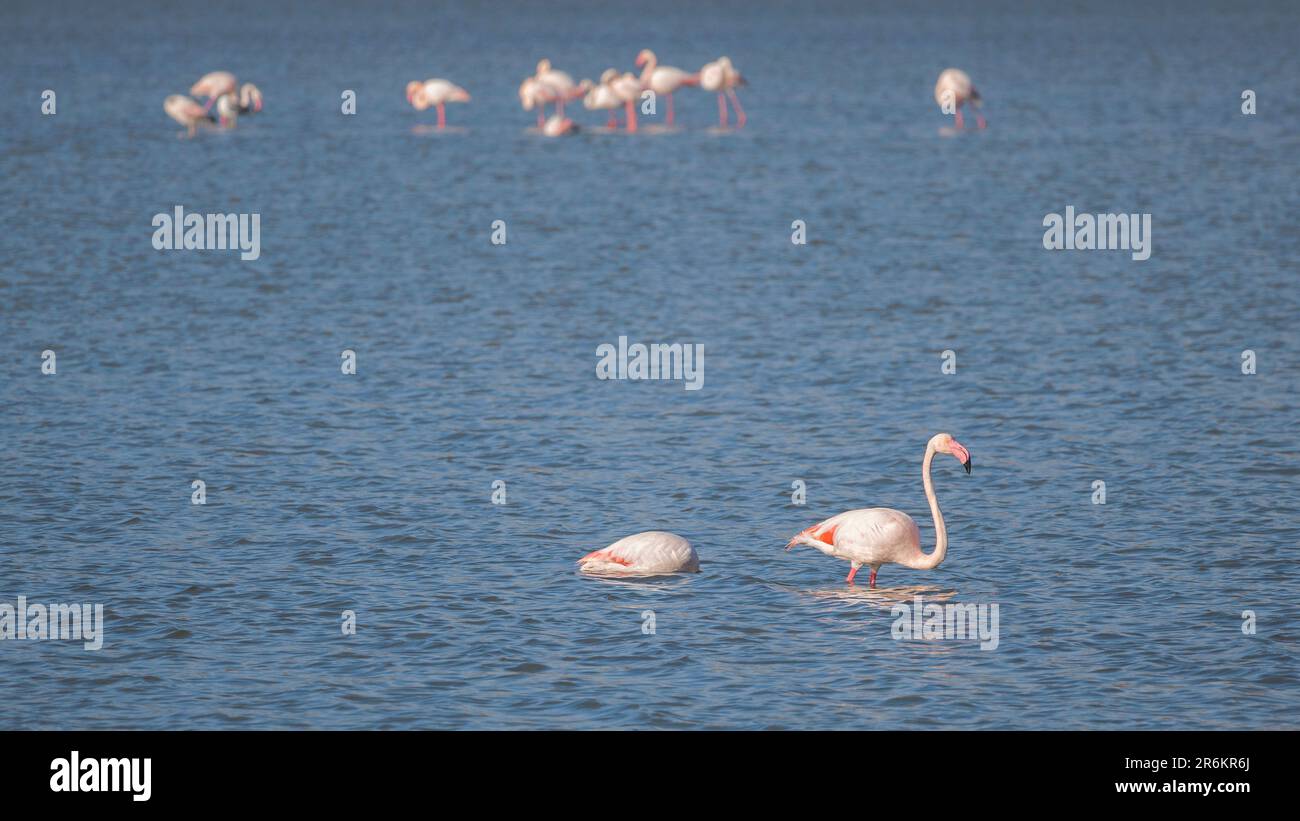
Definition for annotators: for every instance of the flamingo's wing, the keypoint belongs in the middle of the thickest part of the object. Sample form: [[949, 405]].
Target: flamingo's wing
[[823, 531], [652, 551], [602, 556]]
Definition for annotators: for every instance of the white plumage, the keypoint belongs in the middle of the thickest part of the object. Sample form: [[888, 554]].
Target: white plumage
[[654, 551]]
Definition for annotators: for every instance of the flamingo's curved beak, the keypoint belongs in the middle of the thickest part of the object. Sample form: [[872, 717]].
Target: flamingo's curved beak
[[963, 455]]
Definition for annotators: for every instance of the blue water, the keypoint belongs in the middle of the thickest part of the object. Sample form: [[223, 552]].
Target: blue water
[[476, 363]]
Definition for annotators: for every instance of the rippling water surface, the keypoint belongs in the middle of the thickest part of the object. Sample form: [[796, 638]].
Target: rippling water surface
[[477, 362]]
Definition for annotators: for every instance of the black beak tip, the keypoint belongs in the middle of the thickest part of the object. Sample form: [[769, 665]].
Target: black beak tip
[[966, 465]]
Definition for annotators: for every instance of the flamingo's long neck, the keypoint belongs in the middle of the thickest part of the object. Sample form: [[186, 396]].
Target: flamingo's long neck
[[651, 64], [922, 561]]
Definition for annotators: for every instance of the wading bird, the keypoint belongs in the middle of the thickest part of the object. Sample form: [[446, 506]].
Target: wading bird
[[558, 125], [663, 79], [721, 76], [533, 93], [602, 97], [437, 93], [562, 84], [628, 89], [880, 535], [954, 90], [654, 551]]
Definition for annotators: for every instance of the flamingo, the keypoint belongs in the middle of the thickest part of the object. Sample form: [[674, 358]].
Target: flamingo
[[879, 535], [533, 93], [437, 93], [559, 125], [212, 85], [654, 551], [663, 79], [561, 82], [955, 88], [230, 107], [628, 89], [721, 76], [186, 111], [604, 97]]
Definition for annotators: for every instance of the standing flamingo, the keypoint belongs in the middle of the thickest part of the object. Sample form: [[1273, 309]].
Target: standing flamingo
[[663, 79], [721, 76], [533, 93], [628, 89], [654, 551], [213, 85], [603, 96], [186, 112], [954, 90], [879, 535], [437, 93], [561, 82]]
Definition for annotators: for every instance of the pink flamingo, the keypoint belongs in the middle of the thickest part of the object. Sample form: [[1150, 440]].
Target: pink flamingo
[[213, 85], [558, 125], [721, 76], [954, 89], [628, 89], [602, 97], [186, 112], [437, 93], [879, 535], [565, 89], [663, 79], [654, 551], [533, 93]]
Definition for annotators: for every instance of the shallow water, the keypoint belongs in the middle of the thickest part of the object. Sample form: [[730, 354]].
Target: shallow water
[[476, 363]]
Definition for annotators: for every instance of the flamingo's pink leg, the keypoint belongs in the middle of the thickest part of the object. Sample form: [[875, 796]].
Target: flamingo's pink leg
[[670, 107], [979, 121], [722, 110], [631, 117], [541, 117], [873, 578], [852, 572], [740, 112], [957, 118], [442, 115]]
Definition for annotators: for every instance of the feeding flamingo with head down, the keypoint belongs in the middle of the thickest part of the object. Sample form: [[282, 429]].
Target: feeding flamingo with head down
[[953, 90], [558, 125], [721, 76], [654, 551], [437, 93], [663, 79], [879, 535]]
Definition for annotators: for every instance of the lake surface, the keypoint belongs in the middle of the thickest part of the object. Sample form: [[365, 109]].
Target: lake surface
[[476, 363]]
